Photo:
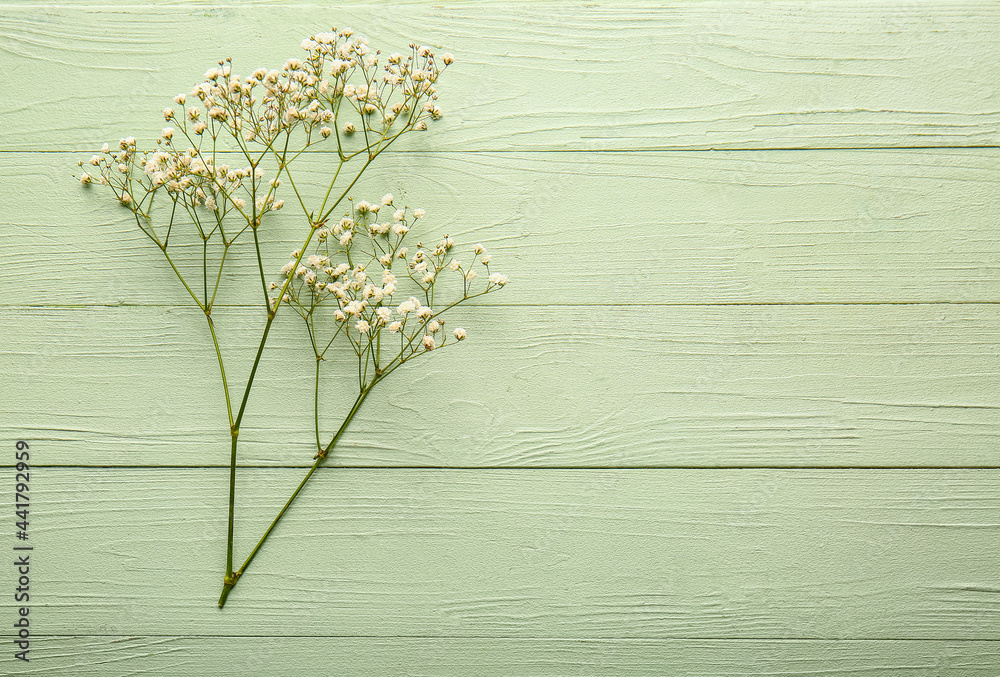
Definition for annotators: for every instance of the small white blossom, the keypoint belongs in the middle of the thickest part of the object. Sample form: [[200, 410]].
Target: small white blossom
[[428, 342], [460, 333]]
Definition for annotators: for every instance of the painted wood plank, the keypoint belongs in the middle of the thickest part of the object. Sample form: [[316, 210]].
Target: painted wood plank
[[552, 386], [545, 75], [596, 228], [498, 657], [657, 554]]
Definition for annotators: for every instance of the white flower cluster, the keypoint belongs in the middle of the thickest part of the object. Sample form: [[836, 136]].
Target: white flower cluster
[[311, 93], [361, 268], [191, 179], [338, 89]]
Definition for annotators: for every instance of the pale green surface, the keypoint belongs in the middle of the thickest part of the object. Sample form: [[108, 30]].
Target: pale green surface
[[673, 310], [590, 228], [803, 385], [423, 657], [567, 553]]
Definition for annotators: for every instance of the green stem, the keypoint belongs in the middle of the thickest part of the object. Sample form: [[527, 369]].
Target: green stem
[[232, 505], [234, 425], [218, 353], [232, 578]]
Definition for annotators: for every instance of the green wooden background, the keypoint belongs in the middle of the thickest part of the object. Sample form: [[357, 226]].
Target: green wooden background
[[737, 415]]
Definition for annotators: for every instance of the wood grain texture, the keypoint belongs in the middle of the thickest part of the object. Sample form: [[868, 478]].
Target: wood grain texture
[[543, 75], [581, 228], [573, 492], [489, 657], [751, 554], [706, 386]]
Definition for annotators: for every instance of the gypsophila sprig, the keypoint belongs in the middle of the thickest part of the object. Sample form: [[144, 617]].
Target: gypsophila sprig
[[227, 160], [356, 275]]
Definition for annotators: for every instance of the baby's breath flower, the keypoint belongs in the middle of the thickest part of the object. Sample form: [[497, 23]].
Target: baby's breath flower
[[460, 333], [395, 326], [428, 342], [387, 199], [418, 213]]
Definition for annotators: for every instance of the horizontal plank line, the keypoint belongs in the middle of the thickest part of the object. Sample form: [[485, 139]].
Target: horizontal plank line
[[664, 304], [511, 468], [611, 638], [685, 149]]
